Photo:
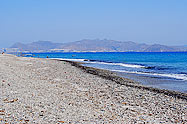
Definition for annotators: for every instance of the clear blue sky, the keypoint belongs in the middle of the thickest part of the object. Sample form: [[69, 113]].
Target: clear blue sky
[[142, 21]]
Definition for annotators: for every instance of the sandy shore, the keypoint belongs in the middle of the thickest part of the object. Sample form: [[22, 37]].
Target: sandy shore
[[49, 91]]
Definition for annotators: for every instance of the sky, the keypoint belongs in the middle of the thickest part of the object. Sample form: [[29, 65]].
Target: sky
[[142, 21]]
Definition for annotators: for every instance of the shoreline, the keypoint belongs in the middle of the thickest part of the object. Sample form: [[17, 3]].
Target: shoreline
[[36, 90], [170, 76], [109, 75]]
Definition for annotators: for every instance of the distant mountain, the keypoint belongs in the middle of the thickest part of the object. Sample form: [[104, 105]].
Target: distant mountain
[[181, 48], [40, 45], [96, 45], [103, 46], [159, 48]]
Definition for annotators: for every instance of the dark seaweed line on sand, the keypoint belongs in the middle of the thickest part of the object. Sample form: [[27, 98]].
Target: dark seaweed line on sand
[[123, 81]]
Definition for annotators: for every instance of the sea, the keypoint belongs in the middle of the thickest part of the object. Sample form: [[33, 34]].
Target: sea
[[164, 70]]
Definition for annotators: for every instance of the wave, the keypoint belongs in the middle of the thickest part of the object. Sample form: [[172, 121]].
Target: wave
[[129, 65], [102, 62], [112, 63], [76, 60], [119, 64], [175, 76], [181, 76]]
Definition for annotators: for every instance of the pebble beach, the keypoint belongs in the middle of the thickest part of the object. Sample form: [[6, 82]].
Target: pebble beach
[[44, 91]]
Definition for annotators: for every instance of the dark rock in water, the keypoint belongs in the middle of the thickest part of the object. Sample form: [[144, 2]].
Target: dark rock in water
[[150, 67], [157, 68], [183, 73], [93, 60]]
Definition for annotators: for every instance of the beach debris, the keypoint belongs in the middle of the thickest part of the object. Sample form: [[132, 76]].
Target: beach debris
[[61, 121], [11, 101], [150, 114], [27, 121], [5, 99], [124, 103], [2, 110]]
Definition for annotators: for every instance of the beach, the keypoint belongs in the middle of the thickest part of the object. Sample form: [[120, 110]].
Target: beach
[[36, 90]]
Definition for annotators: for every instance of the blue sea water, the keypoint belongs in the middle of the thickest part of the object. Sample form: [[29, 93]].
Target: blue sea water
[[167, 70]]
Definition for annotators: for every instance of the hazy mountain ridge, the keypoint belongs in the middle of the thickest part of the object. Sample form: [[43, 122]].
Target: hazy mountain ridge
[[96, 45], [40, 45]]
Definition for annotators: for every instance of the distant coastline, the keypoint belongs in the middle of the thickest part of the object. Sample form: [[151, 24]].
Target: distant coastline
[[96, 45]]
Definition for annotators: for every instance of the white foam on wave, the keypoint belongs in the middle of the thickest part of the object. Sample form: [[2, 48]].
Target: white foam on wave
[[120, 64], [105, 63], [176, 76], [76, 60]]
